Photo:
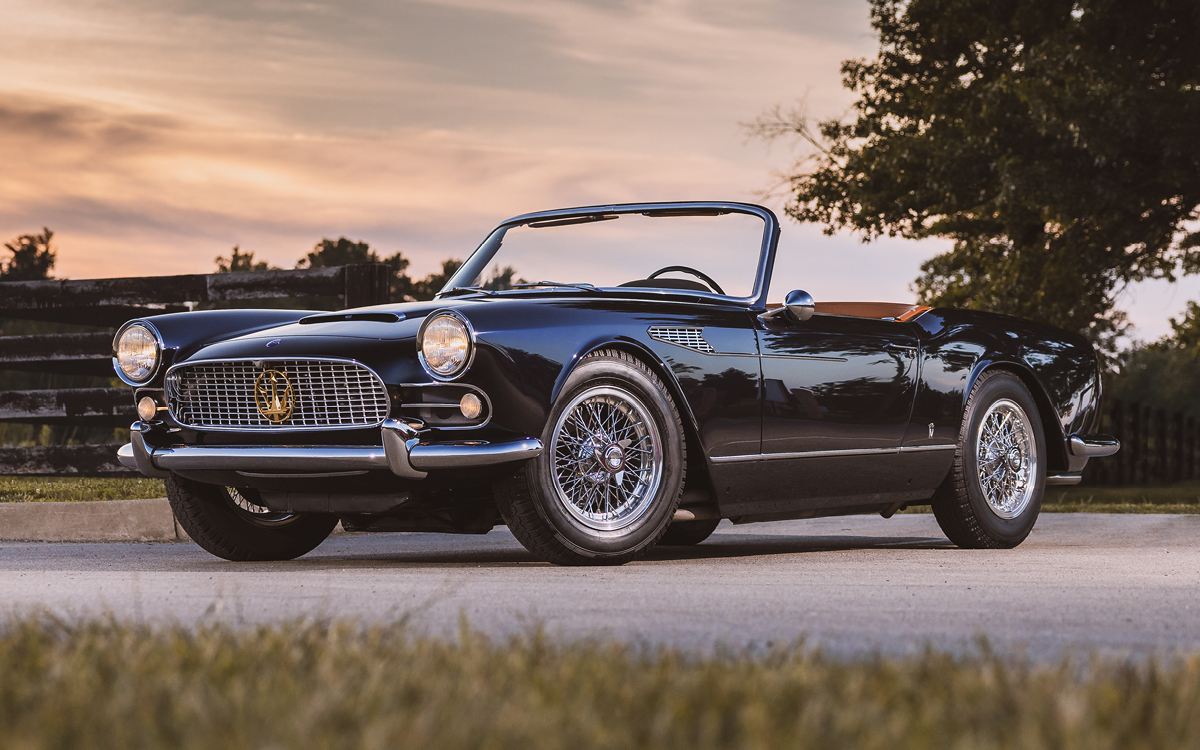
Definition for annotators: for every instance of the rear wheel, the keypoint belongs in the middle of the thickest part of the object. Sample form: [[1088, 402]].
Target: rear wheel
[[233, 524], [993, 495], [607, 484]]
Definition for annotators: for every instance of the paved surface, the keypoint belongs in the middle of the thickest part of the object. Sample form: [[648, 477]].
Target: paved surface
[[1115, 583]]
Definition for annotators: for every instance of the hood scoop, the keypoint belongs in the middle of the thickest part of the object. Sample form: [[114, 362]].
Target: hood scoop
[[377, 317]]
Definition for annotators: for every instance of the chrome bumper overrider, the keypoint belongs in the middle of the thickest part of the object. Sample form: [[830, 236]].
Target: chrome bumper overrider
[[1093, 446], [402, 453]]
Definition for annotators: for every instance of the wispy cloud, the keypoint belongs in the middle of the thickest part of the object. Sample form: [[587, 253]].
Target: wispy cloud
[[153, 135]]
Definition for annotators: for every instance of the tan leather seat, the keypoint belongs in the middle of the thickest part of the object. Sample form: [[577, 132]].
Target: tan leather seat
[[898, 311]]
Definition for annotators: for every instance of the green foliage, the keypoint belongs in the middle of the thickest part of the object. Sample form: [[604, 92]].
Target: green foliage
[[1164, 374], [32, 257], [1054, 141], [239, 261], [342, 252], [106, 684], [76, 489]]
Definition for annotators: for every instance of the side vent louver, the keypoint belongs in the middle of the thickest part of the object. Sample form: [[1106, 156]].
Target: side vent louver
[[691, 338]]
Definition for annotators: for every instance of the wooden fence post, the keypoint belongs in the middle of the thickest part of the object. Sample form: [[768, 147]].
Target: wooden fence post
[[367, 284], [1190, 450], [1177, 454]]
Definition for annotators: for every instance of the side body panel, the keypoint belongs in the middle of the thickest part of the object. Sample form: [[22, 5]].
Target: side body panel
[[957, 346]]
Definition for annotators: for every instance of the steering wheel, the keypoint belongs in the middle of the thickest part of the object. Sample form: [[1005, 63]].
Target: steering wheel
[[686, 269]]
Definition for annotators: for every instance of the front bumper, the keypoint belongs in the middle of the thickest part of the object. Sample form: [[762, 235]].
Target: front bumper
[[403, 452]]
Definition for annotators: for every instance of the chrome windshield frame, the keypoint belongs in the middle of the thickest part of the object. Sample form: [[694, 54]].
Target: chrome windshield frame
[[483, 254]]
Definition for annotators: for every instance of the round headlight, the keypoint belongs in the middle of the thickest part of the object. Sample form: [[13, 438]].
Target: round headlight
[[445, 345], [137, 353]]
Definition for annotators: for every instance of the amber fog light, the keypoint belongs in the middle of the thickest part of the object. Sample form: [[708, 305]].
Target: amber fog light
[[470, 406], [147, 409]]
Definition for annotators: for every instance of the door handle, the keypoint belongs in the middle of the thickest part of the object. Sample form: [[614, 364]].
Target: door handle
[[910, 350]]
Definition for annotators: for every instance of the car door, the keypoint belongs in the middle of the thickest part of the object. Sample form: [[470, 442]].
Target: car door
[[837, 393]]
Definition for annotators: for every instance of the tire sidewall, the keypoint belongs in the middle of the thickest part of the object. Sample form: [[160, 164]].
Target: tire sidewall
[[569, 531], [1006, 530]]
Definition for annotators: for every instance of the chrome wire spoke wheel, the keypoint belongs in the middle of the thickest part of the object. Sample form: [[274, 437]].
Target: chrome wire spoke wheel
[[1006, 457], [607, 458], [260, 514]]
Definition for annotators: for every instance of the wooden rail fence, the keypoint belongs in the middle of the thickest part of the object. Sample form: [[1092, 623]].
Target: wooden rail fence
[[1157, 446], [109, 303]]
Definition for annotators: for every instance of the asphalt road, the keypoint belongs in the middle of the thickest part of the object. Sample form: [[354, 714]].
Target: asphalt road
[[1123, 584]]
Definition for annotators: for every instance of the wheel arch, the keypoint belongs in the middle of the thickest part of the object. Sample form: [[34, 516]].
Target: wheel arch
[[637, 350], [1051, 425]]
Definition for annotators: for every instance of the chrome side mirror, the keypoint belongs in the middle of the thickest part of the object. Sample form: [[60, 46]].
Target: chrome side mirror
[[800, 304]]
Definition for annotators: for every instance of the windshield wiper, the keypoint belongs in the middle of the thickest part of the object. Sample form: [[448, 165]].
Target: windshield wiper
[[468, 289], [532, 284]]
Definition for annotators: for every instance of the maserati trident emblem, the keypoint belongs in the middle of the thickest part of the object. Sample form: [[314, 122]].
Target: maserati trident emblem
[[273, 395]]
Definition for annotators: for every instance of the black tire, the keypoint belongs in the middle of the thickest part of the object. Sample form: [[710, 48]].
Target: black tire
[[688, 533], [540, 517], [961, 503], [208, 513]]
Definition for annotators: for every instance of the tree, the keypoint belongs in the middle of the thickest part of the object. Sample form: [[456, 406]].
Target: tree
[[32, 257], [1056, 142], [1164, 374], [342, 251], [239, 261], [433, 283]]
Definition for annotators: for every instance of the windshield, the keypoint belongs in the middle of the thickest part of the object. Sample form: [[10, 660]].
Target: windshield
[[716, 253]]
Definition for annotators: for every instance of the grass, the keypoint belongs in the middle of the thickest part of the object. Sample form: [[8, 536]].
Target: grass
[[1180, 498], [74, 489], [104, 684]]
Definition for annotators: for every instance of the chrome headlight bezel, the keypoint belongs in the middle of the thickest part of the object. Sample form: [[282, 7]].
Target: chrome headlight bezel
[[469, 331], [158, 352]]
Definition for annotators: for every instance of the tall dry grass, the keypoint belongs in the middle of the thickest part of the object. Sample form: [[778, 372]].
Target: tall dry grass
[[104, 684]]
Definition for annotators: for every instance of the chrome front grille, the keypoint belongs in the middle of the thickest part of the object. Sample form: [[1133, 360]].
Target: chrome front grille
[[325, 394], [692, 338]]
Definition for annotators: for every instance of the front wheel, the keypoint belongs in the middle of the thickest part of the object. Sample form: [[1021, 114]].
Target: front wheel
[[606, 486], [993, 495], [233, 524]]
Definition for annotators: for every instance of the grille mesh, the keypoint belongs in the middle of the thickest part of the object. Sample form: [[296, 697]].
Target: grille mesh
[[325, 394], [692, 338]]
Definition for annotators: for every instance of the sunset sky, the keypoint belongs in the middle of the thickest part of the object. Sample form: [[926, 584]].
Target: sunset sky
[[153, 135]]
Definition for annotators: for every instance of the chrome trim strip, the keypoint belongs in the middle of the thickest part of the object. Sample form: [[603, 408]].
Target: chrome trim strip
[[269, 430], [804, 356], [317, 458], [828, 454], [1056, 480], [323, 475], [433, 456]]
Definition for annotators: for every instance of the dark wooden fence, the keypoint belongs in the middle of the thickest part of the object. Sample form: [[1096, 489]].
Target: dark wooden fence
[[109, 303], [1157, 446]]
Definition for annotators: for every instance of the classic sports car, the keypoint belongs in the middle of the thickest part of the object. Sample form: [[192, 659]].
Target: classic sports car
[[646, 392]]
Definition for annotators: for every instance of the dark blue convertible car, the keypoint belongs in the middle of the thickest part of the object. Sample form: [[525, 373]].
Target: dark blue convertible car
[[602, 380]]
